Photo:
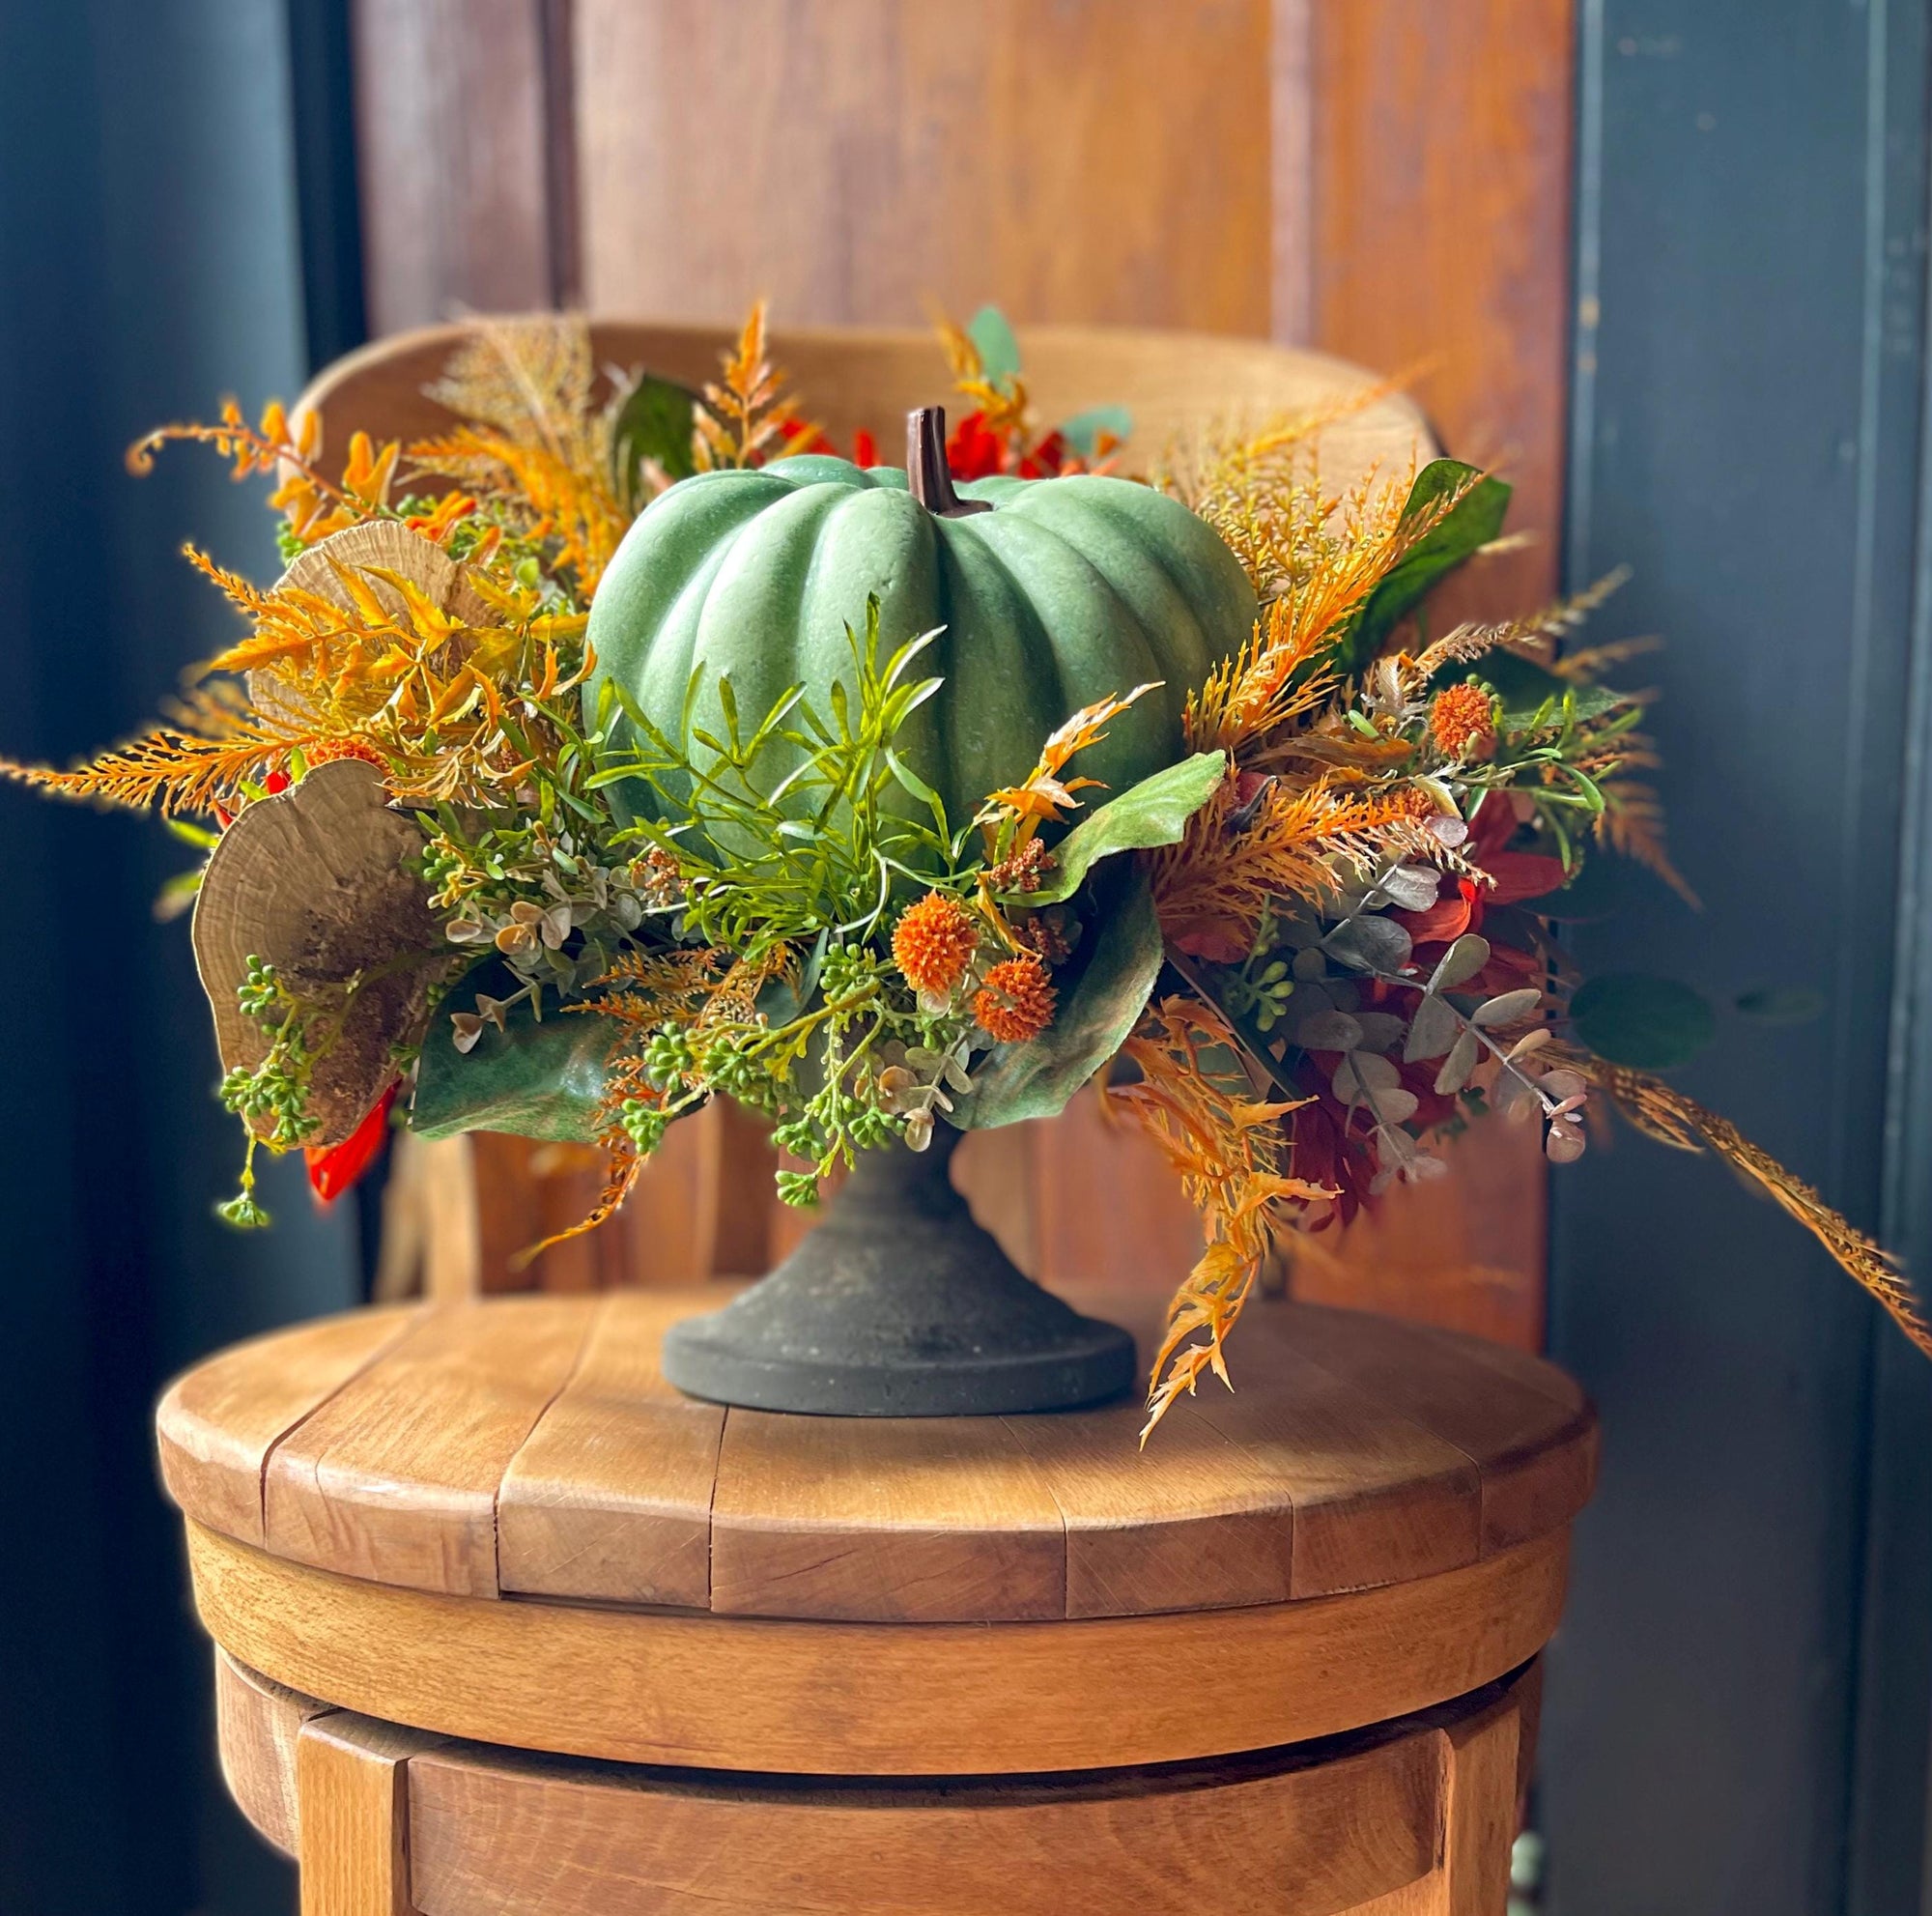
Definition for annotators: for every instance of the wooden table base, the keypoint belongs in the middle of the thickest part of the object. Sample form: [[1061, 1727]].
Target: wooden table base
[[510, 1626], [1414, 1818]]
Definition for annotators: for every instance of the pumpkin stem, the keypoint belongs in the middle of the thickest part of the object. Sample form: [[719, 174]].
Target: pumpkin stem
[[927, 470]]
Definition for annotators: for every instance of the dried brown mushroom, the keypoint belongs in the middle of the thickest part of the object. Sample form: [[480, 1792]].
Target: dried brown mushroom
[[385, 544], [313, 881]]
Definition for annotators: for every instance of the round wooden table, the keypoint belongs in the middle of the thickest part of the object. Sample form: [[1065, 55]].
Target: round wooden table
[[506, 1625]]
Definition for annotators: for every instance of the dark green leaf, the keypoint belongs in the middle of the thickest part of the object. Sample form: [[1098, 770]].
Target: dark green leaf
[[1156, 812], [654, 423], [1648, 1023], [1101, 998], [539, 1080], [1475, 519], [993, 340], [1524, 687]]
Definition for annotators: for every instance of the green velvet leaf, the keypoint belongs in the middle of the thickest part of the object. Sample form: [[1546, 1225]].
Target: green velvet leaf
[[1099, 1001], [993, 340], [538, 1081], [654, 423], [1475, 519], [1651, 1024], [1154, 811]]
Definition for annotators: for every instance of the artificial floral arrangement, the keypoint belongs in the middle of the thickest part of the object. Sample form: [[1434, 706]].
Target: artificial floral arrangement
[[626, 746]]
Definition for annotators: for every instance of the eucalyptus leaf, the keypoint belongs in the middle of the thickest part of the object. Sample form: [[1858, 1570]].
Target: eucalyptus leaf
[[1153, 813], [1370, 943], [1460, 962], [1101, 996], [1397, 1105], [1379, 1029], [1412, 887], [1431, 1031], [1456, 1067], [1082, 432], [1328, 1031], [992, 337], [1475, 519], [1377, 1073], [1507, 1007], [538, 1081], [1651, 1024]]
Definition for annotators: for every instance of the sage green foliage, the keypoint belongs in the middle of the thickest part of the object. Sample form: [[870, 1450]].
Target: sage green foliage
[[1154, 813], [1069, 591], [1650, 1025], [1473, 521], [824, 849]]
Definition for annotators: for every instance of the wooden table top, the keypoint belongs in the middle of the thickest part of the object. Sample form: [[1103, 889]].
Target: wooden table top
[[528, 1446]]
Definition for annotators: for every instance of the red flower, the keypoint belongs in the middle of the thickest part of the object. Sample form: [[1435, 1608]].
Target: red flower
[[1046, 459], [336, 1167], [275, 782], [974, 451], [1518, 876], [865, 448]]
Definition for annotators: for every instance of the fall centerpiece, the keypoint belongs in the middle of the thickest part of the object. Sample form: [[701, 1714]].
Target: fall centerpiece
[[627, 746]]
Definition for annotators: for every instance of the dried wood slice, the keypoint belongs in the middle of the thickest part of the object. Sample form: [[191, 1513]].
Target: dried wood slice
[[313, 882], [383, 545]]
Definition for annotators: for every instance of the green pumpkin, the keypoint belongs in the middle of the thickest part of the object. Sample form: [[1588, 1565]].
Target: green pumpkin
[[1068, 590]]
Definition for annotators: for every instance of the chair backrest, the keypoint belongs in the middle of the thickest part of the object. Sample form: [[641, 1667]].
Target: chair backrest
[[1078, 1198]]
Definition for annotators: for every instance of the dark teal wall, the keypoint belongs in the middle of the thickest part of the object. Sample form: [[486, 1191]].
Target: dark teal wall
[[1739, 1693], [148, 263]]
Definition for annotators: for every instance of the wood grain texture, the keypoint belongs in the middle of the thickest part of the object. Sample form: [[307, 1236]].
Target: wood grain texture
[[530, 1445], [899, 1519], [610, 1496], [1525, 1428], [857, 1699], [1376, 1497], [257, 1724], [451, 134], [1440, 231], [396, 1477], [218, 1423], [352, 1780], [857, 159], [1479, 1791], [494, 1834]]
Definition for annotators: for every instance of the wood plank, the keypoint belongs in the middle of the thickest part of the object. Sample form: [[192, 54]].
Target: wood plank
[[395, 1478], [1441, 231], [944, 1699], [352, 1780], [1479, 1763], [452, 137], [257, 1722], [218, 1423], [905, 1519], [1060, 160], [1524, 1426], [496, 1834], [610, 1497], [1192, 1520], [1377, 1496]]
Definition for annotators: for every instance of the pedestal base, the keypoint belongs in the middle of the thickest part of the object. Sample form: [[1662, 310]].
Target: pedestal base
[[899, 1305]]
